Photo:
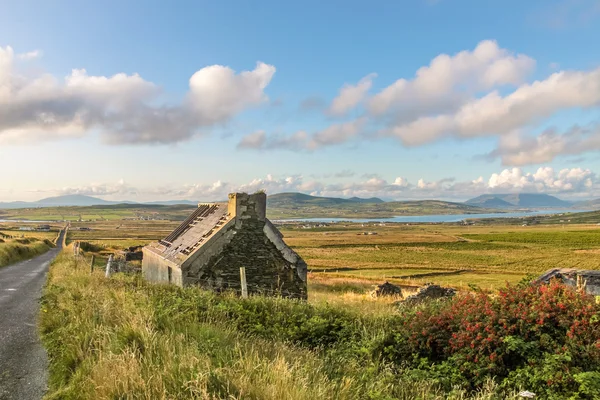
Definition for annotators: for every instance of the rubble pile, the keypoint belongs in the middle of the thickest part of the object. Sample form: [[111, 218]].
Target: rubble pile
[[386, 289]]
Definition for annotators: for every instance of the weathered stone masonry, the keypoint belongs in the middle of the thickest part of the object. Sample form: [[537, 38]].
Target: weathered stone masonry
[[209, 249]]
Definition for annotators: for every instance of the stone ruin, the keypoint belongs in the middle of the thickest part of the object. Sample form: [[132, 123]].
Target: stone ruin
[[429, 292], [386, 289], [216, 240], [587, 281]]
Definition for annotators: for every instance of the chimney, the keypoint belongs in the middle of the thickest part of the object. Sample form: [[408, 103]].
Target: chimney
[[246, 206]]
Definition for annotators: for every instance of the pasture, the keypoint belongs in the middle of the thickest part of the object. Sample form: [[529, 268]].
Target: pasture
[[344, 264]]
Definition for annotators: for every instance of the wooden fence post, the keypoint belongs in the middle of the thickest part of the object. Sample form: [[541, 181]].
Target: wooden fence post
[[108, 266], [92, 263], [244, 283]]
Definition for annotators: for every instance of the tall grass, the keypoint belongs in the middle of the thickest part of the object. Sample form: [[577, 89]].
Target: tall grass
[[15, 250], [121, 338]]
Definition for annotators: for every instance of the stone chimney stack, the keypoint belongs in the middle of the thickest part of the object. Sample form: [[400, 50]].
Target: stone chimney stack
[[246, 206]]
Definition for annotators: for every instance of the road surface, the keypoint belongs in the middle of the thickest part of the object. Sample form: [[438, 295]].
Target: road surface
[[23, 360]]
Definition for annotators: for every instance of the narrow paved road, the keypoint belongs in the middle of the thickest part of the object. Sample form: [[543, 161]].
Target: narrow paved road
[[23, 360]]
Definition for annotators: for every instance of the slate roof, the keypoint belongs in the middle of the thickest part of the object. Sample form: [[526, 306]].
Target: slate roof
[[204, 222]]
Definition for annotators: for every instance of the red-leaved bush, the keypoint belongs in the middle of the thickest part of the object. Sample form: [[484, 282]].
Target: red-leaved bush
[[544, 337]]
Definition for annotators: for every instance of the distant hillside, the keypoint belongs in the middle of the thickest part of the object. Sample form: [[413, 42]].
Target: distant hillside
[[298, 205], [588, 205], [77, 200], [518, 200], [297, 199], [72, 200], [369, 200]]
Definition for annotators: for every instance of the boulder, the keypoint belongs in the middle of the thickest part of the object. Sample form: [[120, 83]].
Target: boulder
[[386, 289]]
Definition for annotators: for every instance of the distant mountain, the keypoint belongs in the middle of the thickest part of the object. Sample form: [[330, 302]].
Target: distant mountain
[[71, 200], [370, 200], [518, 200], [77, 200], [301, 199], [299, 205]]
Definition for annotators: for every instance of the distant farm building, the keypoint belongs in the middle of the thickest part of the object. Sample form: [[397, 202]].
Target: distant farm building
[[211, 245]]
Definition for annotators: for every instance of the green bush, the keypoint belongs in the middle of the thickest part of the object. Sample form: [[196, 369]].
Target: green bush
[[541, 338]]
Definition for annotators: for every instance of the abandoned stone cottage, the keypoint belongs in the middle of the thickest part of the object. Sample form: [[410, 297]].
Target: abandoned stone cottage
[[211, 245]]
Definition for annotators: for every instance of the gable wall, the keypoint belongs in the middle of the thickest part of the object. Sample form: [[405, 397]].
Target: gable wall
[[156, 269]]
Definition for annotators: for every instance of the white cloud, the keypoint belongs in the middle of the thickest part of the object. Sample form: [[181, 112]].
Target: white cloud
[[567, 183], [30, 55], [351, 96], [544, 180], [337, 133], [255, 140], [123, 108], [120, 188], [518, 149], [334, 134], [495, 114], [447, 76], [217, 93]]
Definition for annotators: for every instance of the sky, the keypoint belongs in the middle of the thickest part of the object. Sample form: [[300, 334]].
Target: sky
[[412, 99]]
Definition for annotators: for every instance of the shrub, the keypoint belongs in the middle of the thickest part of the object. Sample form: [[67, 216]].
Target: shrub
[[542, 338]]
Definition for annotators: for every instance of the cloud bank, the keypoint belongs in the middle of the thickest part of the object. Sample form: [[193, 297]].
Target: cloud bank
[[567, 183], [123, 108], [473, 93]]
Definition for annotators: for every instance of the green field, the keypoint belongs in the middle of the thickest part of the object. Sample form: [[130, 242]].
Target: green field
[[164, 342], [99, 213], [455, 255]]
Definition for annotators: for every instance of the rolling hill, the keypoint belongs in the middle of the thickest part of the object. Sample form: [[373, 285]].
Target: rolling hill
[[77, 200], [519, 200], [299, 205], [283, 199]]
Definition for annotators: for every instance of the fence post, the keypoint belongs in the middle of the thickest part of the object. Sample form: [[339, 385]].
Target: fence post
[[92, 263], [244, 283], [108, 266]]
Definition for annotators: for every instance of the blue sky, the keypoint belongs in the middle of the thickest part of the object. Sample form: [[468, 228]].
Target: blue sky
[[408, 99]]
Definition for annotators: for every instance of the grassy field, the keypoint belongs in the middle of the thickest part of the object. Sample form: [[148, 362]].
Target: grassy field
[[340, 256], [487, 256], [98, 213], [122, 338]]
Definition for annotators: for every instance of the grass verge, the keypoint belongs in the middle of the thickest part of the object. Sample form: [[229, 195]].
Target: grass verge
[[15, 250]]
